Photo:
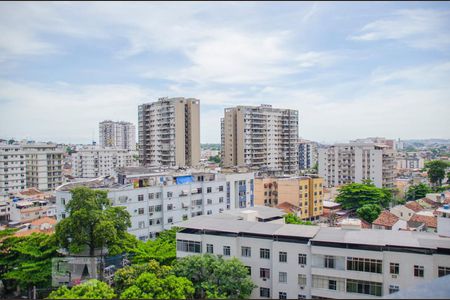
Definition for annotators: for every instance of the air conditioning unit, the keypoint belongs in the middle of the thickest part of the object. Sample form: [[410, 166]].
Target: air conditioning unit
[[302, 287], [264, 279], [151, 214], [394, 276], [302, 266]]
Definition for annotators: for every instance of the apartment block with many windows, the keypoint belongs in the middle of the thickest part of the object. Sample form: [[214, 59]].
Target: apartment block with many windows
[[12, 169], [169, 132], [120, 135], [307, 154], [261, 137]]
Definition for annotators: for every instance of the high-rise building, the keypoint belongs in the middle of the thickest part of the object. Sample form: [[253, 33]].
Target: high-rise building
[[120, 135], [169, 132], [260, 137], [307, 154], [355, 162], [12, 169]]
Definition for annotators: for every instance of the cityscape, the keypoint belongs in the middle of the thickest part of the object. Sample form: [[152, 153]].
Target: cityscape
[[214, 151]]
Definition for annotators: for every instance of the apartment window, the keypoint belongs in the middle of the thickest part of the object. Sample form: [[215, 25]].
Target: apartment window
[[158, 207], [264, 253], [209, 248], [283, 256], [282, 295], [443, 271], [169, 194], [300, 296], [332, 284], [140, 197], [221, 188], [226, 250], [151, 209], [141, 211], [394, 268], [151, 196], [393, 289], [185, 217], [209, 212], [189, 246], [364, 287], [150, 222], [63, 201], [221, 200], [418, 271], [282, 277], [157, 195], [302, 259], [141, 224], [170, 220], [301, 279], [169, 206], [209, 201], [329, 262], [246, 251], [209, 189], [264, 273], [264, 292], [364, 265], [249, 270]]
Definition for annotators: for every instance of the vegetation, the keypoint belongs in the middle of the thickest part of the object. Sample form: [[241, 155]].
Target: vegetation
[[436, 171], [91, 289], [369, 212], [215, 159], [293, 219], [419, 191], [356, 195], [214, 277]]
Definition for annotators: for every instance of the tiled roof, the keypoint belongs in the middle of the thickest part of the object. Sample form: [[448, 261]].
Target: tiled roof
[[31, 231], [51, 221], [288, 207], [386, 219], [413, 205], [428, 220], [365, 224]]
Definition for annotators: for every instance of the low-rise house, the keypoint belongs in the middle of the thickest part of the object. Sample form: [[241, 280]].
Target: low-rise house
[[25, 211], [423, 221], [388, 221], [402, 211]]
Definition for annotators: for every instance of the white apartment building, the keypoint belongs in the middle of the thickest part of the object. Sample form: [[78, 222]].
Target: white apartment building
[[159, 200], [307, 154], [409, 161], [92, 162], [354, 162], [44, 163], [261, 137], [121, 135], [169, 132], [12, 169], [27, 210], [288, 261]]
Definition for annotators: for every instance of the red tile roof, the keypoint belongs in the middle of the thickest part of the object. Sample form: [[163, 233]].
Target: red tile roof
[[386, 219], [413, 205], [51, 221], [428, 220], [288, 207]]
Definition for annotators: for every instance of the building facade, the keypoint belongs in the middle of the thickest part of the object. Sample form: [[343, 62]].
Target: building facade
[[409, 161], [120, 135], [355, 162], [307, 154], [12, 169], [302, 262], [169, 132], [260, 137], [92, 162]]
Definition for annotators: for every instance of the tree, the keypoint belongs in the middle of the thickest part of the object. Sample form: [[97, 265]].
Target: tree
[[91, 289], [151, 286], [436, 171], [369, 212], [419, 191], [215, 277], [293, 219], [355, 195], [92, 223], [214, 159]]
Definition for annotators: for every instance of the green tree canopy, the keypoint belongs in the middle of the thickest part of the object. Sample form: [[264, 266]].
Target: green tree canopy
[[92, 222], [293, 219], [91, 289], [215, 159], [215, 277], [419, 191], [369, 212], [355, 195], [436, 171]]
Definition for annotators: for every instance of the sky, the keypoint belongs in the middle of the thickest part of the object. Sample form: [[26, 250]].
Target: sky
[[351, 69]]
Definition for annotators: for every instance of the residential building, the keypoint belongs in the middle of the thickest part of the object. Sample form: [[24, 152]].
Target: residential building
[[391, 144], [260, 137], [307, 154], [120, 135], [388, 221], [169, 132], [304, 192], [289, 261], [92, 161], [28, 210], [409, 160], [12, 169], [160, 199], [355, 162]]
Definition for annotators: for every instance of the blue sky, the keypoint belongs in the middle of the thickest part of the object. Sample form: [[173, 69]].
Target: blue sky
[[351, 69]]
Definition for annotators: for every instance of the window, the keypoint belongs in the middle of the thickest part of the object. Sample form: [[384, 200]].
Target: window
[[264, 273], [209, 189], [170, 220], [185, 217], [301, 279], [249, 270], [264, 292], [158, 207], [264, 253], [246, 251], [393, 289], [300, 296], [302, 259], [418, 271], [63, 201], [140, 197], [151, 195], [394, 268], [141, 224], [443, 271], [329, 262], [282, 295], [209, 248], [209, 212], [169, 206], [209, 201], [169, 194], [189, 246], [221, 200], [226, 250], [332, 284], [157, 195], [283, 256], [364, 287], [282, 277], [221, 188], [151, 209], [141, 211], [364, 265]]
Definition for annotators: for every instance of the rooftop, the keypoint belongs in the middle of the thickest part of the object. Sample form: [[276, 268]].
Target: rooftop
[[386, 219], [413, 205], [430, 221]]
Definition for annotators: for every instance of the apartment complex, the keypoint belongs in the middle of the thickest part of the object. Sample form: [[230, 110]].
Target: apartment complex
[[354, 162], [120, 135], [302, 262], [307, 154], [12, 169], [304, 193], [92, 162], [169, 132], [409, 161], [260, 137], [158, 200]]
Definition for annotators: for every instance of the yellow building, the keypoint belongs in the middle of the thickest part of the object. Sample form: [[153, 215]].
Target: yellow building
[[304, 194]]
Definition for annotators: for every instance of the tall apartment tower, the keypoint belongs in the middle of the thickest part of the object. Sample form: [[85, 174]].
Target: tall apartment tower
[[12, 169], [169, 132], [307, 154], [260, 137], [354, 162], [120, 135]]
